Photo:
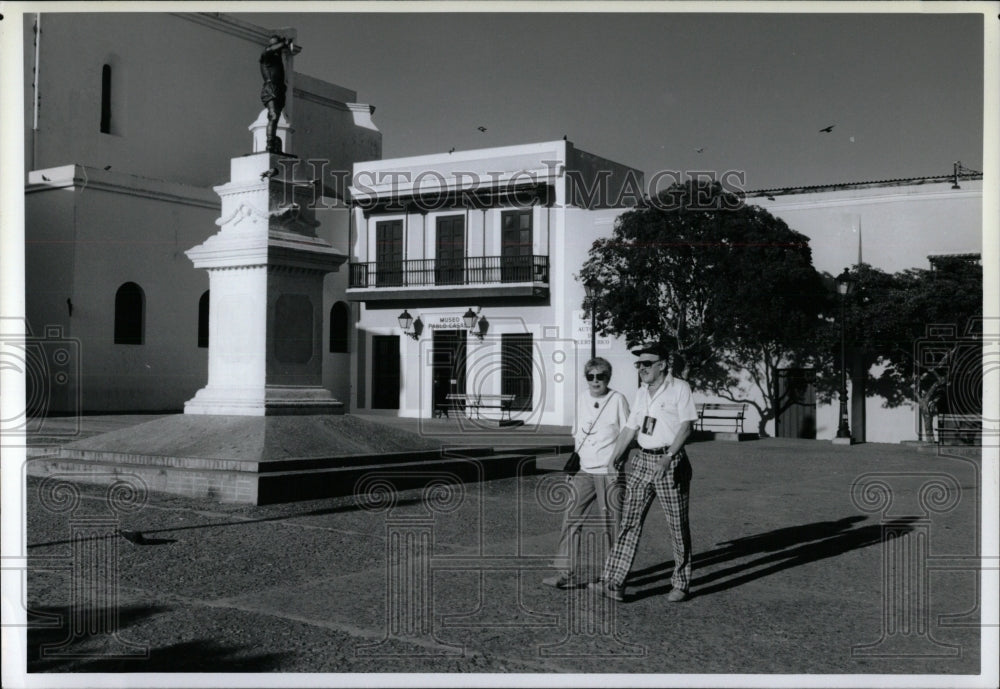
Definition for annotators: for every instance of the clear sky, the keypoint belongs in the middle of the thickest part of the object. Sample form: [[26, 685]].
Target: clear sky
[[904, 91]]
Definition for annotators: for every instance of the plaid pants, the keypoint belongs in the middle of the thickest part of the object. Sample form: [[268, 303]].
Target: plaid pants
[[672, 489]]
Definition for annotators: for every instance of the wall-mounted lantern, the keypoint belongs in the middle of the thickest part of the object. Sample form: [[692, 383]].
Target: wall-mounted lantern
[[476, 324], [406, 321]]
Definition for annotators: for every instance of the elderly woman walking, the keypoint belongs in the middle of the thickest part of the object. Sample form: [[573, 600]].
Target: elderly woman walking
[[601, 414]]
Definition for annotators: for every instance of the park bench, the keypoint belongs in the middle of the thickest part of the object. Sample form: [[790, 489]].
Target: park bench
[[959, 429], [474, 402], [721, 414]]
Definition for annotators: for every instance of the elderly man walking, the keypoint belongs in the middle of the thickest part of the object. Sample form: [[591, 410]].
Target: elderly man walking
[[661, 418]]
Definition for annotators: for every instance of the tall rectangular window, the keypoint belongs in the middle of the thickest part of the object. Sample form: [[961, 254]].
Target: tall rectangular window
[[105, 99], [449, 258], [516, 368], [515, 246], [389, 253]]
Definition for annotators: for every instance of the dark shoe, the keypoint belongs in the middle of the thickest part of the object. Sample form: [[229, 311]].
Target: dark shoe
[[677, 595], [562, 581], [607, 590]]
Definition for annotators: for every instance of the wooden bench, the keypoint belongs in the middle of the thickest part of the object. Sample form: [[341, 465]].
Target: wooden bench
[[959, 429], [475, 402], [721, 414]]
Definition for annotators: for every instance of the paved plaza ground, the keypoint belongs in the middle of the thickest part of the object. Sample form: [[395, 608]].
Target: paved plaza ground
[[809, 558]]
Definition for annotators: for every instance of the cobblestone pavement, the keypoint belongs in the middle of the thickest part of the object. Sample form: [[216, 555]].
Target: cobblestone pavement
[[809, 558]]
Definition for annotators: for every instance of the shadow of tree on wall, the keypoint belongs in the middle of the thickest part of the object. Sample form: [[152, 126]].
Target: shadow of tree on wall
[[96, 653], [761, 555]]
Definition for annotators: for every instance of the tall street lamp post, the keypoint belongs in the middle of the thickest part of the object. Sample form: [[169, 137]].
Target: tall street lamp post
[[845, 284], [593, 288]]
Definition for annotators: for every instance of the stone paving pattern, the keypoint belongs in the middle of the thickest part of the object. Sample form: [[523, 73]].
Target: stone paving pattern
[[788, 576]]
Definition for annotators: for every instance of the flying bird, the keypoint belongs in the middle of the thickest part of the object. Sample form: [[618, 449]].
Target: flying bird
[[828, 129], [107, 167], [700, 150], [46, 178], [451, 150], [481, 128]]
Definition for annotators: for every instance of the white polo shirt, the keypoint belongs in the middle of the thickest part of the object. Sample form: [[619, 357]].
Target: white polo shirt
[[669, 407]]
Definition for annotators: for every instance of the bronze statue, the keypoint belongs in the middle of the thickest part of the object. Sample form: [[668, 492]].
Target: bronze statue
[[272, 95]]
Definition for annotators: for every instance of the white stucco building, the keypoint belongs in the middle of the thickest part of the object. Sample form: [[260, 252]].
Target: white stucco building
[[500, 233], [130, 119]]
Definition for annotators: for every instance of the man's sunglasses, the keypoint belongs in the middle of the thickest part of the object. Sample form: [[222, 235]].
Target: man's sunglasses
[[646, 364], [597, 376]]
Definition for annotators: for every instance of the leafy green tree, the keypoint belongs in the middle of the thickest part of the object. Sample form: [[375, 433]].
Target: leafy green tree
[[919, 335], [730, 287]]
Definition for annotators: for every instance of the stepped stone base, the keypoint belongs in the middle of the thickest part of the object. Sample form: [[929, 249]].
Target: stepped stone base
[[261, 460]]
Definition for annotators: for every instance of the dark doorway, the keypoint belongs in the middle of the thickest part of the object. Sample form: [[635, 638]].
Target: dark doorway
[[385, 372], [515, 369], [448, 365], [797, 403]]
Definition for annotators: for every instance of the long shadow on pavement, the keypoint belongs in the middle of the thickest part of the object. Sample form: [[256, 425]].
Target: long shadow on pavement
[[240, 522], [89, 654], [787, 547]]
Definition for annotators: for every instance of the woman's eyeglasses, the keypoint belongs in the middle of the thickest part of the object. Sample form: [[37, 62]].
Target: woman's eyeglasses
[[646, 364], [597, 376]]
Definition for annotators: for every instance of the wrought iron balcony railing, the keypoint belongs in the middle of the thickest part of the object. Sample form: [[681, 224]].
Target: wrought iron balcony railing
[[471, 270]]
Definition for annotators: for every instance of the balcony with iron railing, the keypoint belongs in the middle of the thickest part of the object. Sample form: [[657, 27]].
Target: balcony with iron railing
[[429, 278]]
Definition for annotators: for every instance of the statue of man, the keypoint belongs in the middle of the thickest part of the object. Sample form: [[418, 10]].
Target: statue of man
[[272, 95]]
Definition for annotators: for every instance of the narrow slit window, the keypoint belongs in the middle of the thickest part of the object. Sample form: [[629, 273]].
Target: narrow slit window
[[106, 99], [203, 305]]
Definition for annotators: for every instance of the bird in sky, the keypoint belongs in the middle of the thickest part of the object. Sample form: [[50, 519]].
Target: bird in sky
[[107, 167], [700, 150], [451, 150], [828, 129], [481, 128], [46, 178]]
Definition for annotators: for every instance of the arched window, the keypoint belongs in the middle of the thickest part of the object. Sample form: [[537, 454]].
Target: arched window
[[203, 320], [129, 306], [106, 99], [340, 316]]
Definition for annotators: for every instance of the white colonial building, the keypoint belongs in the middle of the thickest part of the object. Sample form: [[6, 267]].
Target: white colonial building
[[492, 235], [464, 265], [130, 120]]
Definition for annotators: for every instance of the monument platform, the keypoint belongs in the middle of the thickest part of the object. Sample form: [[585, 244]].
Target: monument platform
[[268, 459]]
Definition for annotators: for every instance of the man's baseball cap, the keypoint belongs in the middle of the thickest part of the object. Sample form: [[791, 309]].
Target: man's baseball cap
[[656, 348]]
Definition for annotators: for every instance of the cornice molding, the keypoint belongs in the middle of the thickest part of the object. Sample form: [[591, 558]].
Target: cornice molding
[[257, 35], [84, 178]]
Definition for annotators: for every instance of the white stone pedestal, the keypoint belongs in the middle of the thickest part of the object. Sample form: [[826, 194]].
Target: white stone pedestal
[[266, 267]]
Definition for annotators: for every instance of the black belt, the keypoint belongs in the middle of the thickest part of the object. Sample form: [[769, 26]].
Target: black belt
[[656, 450]]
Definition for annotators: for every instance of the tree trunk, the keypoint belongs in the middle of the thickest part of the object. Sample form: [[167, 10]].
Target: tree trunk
[[926, 428]]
